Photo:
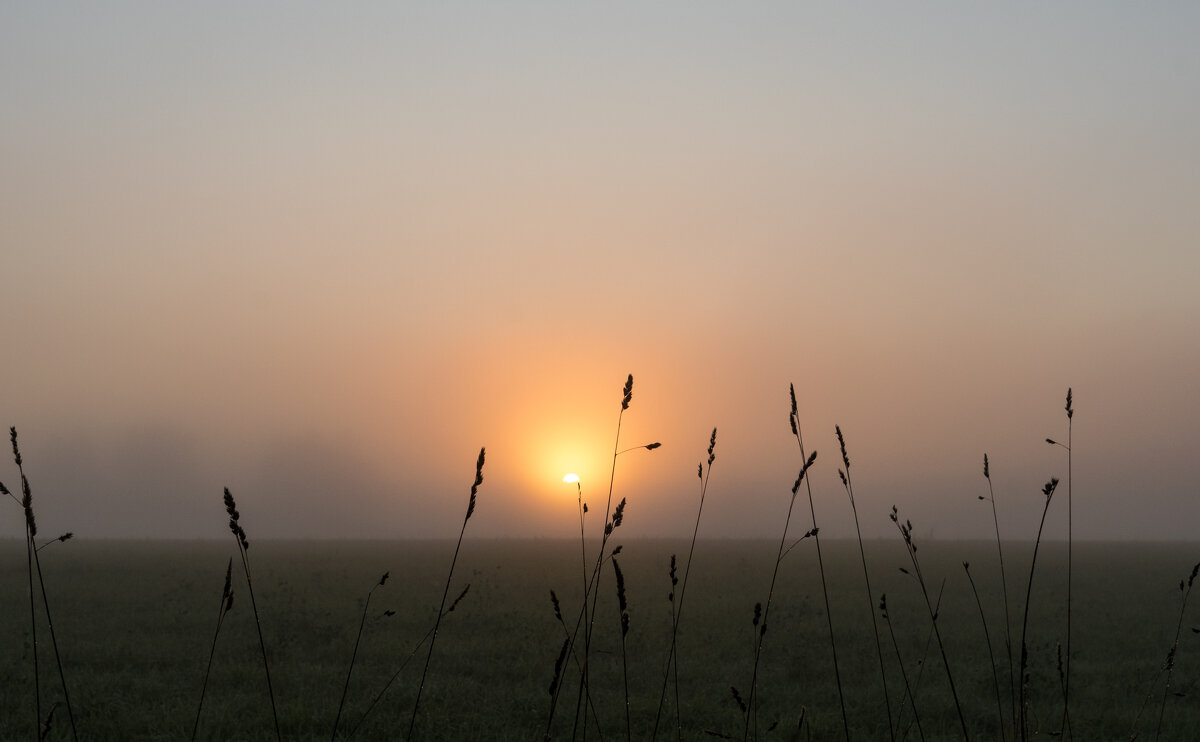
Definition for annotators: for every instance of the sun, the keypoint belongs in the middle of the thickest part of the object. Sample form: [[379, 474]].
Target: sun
[[571, 478]]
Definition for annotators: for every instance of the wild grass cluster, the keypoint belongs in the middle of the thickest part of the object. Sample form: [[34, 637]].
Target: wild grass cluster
[[854, 640]]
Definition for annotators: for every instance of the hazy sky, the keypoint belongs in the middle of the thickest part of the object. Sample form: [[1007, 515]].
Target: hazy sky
[[321, 253]]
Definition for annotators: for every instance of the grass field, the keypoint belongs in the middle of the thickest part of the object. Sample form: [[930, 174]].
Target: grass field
[[135, 622]]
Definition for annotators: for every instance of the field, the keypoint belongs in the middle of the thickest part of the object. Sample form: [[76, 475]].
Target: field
[[135, 623]]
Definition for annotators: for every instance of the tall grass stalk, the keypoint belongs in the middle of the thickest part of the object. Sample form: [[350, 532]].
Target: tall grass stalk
[[937, 607], [672, 670], [991, 497], [908, 691], [354, 654], [224, 607], [446, 590], [583, 572], [612, 522], [29, 550], [849, 486], [751, 702], [906, 533], [797, 432], [1066, 717], [32, 551], [623, 604], [243, 546], [1170, 663], [1048, 492], [991, 655], [587, 616]]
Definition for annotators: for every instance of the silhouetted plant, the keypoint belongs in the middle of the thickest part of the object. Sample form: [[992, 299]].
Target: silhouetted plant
[[587, 613], [908, 691], [1169, 664], [1066, 717], [446, 590], [844, 474], [991, 497], [34, 566], [911, 547], [798, 434], [243, 547], [407, 658], [991, 656], [223, 607], [672, 669], [752, 716], [354, 654], [1048, 492], [623, 605]]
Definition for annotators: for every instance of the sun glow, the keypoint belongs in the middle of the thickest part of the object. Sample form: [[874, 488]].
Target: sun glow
[[571, 479]]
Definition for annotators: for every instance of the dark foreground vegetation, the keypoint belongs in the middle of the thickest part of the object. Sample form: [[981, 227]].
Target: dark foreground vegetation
[[782, 639], [135, 620]]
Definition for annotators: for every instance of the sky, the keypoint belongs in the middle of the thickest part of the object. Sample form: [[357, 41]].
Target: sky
[[321, 254]]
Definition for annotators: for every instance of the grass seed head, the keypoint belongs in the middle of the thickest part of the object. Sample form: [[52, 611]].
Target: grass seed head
[[712, 443], [234, 526], [12, 436], [558, 665], [620, 586], [842, 443], [628, 392], [475, 486], [737, 698], [1070, 409], [461, 595], [986, 474]]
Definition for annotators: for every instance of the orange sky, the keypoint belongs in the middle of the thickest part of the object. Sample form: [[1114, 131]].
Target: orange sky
[[321, 258]]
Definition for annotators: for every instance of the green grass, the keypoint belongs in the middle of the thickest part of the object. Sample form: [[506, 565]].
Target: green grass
[[135, 626]]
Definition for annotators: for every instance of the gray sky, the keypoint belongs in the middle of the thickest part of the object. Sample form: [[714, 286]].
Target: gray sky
[[322, 255]]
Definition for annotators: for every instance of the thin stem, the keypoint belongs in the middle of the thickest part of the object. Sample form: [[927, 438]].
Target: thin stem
[[262, 644], [223, 608], [906, 533], [1048, 491], [903, 674], [1170, 663], [677, 608], [354, 655], [446, 591], [849, 485], [412, 653], [1066, 717], [1012, 701], [799, 434], [991, 656], [751, 708], [37, 683], [31, 534], [937, 607]]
